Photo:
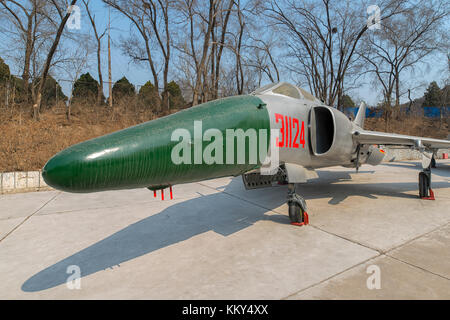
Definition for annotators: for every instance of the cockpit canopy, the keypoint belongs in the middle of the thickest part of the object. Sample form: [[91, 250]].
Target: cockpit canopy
[[285, 89]]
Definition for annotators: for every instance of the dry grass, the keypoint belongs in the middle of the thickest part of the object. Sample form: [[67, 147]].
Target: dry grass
[[26, 144], [414, 126]]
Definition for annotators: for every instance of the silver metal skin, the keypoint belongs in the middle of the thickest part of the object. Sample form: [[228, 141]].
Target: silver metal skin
[[313, 135], [343, 147], [347, 143]]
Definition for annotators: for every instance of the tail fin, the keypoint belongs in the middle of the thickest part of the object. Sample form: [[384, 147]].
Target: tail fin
[[360, 116]]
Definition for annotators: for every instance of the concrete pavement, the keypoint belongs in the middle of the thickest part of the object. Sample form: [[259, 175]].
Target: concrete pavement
[[216, 240]]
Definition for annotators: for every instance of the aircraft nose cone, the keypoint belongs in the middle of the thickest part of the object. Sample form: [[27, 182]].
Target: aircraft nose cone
[[141, 156], [95, 165], [52, 172], [74, 169]]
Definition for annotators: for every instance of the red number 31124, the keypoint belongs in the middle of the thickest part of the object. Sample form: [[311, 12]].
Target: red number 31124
[[291, 133]]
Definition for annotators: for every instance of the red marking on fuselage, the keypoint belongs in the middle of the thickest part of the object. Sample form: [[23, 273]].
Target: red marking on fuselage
[[287, 125], [277, 118], [286, 144]]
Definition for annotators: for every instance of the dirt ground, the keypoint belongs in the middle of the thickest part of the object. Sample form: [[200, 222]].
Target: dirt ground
[[414, 126], [26, 145]]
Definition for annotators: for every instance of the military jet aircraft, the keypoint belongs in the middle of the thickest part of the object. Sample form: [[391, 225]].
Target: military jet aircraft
[[203, 142]]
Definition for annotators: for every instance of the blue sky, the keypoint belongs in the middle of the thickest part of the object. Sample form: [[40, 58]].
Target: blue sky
[[139, 74]]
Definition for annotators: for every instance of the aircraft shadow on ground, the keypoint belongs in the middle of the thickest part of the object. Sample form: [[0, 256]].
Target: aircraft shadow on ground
[[442, 169], [212, 212], [327, 185]]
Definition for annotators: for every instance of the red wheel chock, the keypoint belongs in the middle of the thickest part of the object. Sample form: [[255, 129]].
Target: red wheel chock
[[305, 221], [431, 197]]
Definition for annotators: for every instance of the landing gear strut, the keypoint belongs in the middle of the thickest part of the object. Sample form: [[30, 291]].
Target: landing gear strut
[[425, 191], [297, 207], [433, 162]]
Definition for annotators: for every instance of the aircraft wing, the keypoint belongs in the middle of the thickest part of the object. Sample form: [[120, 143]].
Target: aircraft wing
[[373, 137]]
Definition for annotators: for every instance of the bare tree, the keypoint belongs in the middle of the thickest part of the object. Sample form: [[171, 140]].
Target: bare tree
[[253, 46], [262, 59], [158, 14], [27, 18], [218, 34], [73, 68], [98, 38], [201, 63], [401, 43], [203, 50], [151, 20], [236, 47], [135, 12], [322, 38], [60, 8]]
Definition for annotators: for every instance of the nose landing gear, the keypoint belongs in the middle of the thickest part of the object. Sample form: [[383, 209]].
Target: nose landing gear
[[297, 207]]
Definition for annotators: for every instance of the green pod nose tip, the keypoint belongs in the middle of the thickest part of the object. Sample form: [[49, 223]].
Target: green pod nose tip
[[141, 156], [86, 167]]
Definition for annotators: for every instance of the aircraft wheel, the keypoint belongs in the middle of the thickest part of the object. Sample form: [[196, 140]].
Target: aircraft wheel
[[423, 185], [295, 213]]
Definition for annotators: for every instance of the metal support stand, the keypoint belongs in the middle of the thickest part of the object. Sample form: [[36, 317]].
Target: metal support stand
[[425, 191], [358, 151], [433, 162]]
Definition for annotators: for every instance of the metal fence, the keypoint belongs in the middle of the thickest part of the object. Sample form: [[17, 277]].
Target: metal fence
[[428, 112]]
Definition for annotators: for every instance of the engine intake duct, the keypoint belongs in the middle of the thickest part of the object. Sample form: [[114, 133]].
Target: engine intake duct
[[322, 126]]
